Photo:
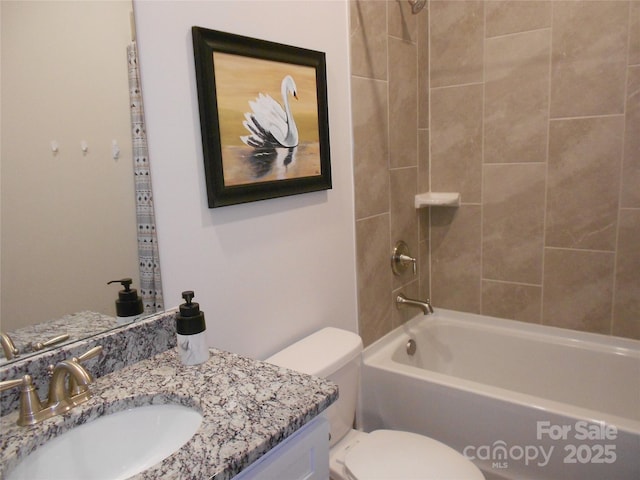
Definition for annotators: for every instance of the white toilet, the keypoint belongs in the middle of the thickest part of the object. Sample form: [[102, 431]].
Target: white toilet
[[382, 454]]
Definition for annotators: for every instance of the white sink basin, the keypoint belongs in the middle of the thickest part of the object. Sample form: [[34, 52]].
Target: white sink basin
[[112, 447]]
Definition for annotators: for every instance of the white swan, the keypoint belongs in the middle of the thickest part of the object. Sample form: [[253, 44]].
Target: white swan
[[269, 125]]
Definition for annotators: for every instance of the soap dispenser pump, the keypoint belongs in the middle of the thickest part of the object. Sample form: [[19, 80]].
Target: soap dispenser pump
[[129, 305], [190, 329]]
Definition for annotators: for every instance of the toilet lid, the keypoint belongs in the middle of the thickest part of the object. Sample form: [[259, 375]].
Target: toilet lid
[[388, 454]]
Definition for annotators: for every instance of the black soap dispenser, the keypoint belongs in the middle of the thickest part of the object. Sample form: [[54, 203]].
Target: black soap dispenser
[[190, 329], [129, 305]]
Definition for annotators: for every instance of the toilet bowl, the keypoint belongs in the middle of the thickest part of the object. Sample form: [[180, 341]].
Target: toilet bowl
[[382, 454]]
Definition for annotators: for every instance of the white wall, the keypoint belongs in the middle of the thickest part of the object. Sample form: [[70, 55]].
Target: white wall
[[264, 273]]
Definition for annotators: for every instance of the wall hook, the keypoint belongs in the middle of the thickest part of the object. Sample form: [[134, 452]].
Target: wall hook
[[84, 147], [55, 148], [115, 150]]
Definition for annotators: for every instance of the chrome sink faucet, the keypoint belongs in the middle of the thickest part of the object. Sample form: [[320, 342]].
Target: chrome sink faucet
[[402, 301], [68, 387]]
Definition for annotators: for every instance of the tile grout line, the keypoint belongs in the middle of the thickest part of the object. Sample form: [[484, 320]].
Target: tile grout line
[[429, 137], [612, 321], [546, 173], [482, 153]]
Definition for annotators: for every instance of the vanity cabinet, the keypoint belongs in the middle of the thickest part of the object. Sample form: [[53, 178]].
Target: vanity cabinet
[[302, 456]]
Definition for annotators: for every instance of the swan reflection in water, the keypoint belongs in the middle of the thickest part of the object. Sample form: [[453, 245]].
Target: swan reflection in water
[[243, 165], [263, 161]]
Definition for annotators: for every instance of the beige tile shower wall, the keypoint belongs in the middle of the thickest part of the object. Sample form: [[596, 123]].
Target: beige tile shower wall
[[548, 231], [530, 109], [390, 95]]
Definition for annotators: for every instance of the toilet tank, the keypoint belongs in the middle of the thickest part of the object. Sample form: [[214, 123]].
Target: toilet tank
[[334, 354]]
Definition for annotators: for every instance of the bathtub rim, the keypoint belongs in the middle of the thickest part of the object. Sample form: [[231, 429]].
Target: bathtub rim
[[379, 355]]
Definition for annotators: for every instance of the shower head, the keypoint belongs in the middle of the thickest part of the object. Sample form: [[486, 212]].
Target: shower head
[[417, 5]]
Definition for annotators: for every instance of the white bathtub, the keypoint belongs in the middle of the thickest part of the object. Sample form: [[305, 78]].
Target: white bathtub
[[523, 401]]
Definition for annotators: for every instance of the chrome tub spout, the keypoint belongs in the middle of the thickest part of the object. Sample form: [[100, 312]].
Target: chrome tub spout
[[402, 301]]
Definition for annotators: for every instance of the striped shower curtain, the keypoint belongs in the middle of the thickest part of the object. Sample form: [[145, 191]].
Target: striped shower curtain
[[149, 261]]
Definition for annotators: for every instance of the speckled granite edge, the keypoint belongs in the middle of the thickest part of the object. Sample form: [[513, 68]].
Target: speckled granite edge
[[122, 346], [248, 408]]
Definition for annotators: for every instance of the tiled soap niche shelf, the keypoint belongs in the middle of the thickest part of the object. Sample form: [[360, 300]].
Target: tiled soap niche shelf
[[437, 199]]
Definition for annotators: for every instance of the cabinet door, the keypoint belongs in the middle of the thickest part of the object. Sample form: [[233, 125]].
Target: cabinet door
[[302, 456]]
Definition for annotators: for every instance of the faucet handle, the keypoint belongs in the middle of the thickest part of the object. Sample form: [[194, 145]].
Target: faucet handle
[[42, 345], [75, 388], [9, 384], [401, 258], [89, 354], [31, 410], [405, 259]]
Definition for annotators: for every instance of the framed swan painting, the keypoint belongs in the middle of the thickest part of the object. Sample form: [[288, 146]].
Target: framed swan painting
[[263, 118]]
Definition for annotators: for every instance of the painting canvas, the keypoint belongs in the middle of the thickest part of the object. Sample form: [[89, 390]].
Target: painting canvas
[[263, 114]]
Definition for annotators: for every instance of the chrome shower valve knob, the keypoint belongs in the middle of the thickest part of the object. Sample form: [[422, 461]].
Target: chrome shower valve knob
[[401, 259]]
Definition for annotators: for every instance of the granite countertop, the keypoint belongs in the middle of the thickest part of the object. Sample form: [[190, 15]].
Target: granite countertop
[[248, 408]]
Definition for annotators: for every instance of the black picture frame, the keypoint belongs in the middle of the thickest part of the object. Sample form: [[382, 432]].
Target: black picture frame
[[267, 148]]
